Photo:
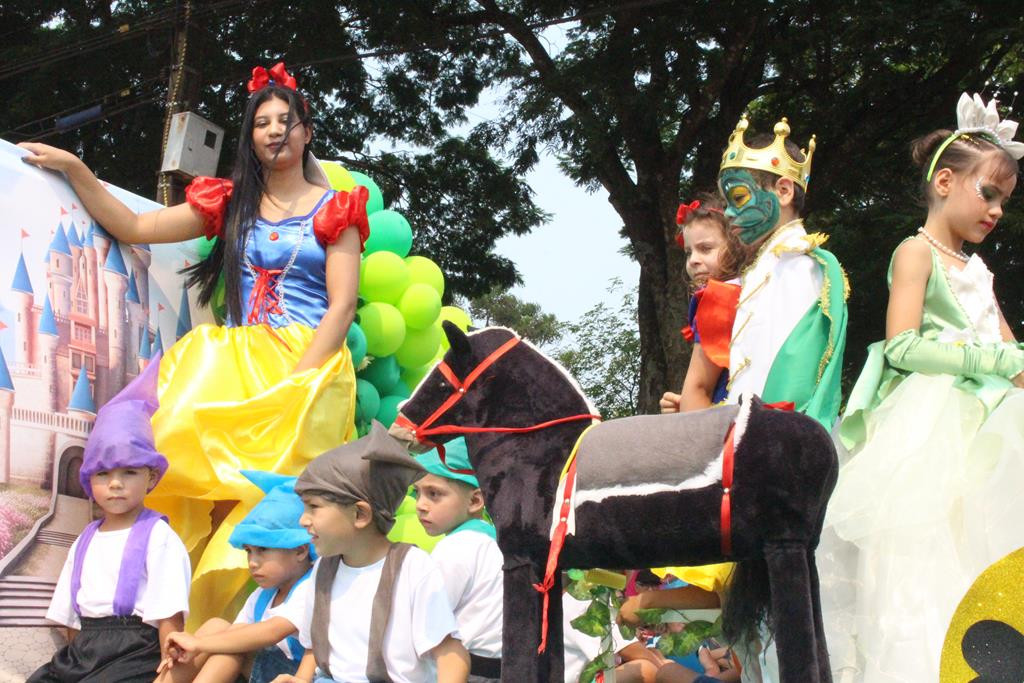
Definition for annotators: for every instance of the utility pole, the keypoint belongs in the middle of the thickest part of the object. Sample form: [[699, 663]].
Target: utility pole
[[182, 95]]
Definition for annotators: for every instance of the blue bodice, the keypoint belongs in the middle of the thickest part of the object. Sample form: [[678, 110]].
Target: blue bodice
[[284, 273]]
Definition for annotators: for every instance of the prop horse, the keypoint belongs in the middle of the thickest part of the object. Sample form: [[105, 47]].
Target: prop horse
[[742, 483]]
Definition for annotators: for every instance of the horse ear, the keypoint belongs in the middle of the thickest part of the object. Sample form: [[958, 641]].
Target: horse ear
[[457, 339]]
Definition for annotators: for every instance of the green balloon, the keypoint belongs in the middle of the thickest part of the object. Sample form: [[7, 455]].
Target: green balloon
[[338, 176], [420, 306], [455, 315], [382, 373], [383, 276], [401, 390], [422, 269], [419, 347], [389, 409], [384, 328], [409, 529], [376, 201], [356, 341], [218, 304], [411, 377], [367, 401], [205, 247], [389, 231]]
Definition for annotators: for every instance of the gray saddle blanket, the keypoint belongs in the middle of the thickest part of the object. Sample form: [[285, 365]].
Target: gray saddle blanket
[[646, 454]]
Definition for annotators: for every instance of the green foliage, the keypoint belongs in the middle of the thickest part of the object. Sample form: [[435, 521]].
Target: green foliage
[[593, 667], [458, 197], [602, 352], [685, 642], [636, 100], [499, 307], [595, 622]]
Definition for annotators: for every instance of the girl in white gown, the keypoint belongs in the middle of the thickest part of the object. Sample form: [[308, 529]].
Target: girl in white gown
[[933, 491]]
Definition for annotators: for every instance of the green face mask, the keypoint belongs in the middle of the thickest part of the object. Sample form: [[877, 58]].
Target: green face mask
[[751, 208]]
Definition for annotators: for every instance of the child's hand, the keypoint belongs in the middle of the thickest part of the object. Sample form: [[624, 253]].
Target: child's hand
[[46, 156], [288, 678], [166, 664], [181, 646], [714, 661], [627, 612], [669, 402], [1019, 380]]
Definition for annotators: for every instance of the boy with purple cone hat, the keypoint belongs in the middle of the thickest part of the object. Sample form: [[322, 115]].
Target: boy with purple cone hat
[[126, 579], [379, 611]]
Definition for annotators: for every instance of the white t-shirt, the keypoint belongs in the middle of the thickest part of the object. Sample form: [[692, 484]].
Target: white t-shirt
[[297, 597], [470, 563], [163, 590], [420, 619]]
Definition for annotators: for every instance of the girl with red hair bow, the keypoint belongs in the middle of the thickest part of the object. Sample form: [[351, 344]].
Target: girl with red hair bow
[[714, 256], [274, 386]]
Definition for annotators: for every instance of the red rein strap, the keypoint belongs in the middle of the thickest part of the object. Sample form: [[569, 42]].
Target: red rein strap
[[728, 456], [555, 551], [728, 462], [424, 430]]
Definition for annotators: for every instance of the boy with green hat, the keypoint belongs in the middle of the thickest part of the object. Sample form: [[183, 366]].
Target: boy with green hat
[[449, 502]]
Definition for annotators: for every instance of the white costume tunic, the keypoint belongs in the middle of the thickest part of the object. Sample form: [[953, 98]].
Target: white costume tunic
[[163, 590], [420, 619]]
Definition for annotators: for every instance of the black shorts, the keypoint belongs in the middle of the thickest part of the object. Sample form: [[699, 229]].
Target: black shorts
[[107, 650]]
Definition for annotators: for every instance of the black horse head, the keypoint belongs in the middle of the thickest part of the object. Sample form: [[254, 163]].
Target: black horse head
[[502, 381]]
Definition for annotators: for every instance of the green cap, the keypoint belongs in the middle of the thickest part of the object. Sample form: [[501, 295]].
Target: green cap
[[457, 458]]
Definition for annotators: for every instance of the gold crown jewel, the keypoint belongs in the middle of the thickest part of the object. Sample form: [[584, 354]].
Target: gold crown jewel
[[774, 158]]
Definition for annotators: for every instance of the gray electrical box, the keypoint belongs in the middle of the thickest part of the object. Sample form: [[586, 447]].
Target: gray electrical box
[[193, 146]]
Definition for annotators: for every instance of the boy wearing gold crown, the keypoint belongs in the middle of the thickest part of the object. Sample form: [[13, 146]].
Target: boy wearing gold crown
[[790, 327]]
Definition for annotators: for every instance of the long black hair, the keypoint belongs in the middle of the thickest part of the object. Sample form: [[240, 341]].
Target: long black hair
[[244, 207]]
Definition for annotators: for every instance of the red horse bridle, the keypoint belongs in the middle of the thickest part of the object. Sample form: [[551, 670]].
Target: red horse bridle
[[424, 430]]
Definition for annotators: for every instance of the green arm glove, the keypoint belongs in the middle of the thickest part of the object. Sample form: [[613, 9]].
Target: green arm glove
[[909, 351]]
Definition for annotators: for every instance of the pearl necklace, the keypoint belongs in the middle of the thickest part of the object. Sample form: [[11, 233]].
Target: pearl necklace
[[942, 247]]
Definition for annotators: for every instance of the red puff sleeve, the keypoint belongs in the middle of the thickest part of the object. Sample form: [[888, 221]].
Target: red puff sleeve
[[342, 211], [209, 196]]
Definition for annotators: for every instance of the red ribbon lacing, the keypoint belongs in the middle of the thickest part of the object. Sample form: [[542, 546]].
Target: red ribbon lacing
[[264, 299], [728, 462], [459, 388]]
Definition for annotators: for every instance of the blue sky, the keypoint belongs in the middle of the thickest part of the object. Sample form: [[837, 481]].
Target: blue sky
[[566, 264]]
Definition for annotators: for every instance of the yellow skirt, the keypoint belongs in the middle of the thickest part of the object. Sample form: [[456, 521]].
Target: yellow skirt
[[229, 401]]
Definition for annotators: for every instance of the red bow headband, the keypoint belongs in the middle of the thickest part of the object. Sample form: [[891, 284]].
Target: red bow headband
[[277, 75], [683, 215]]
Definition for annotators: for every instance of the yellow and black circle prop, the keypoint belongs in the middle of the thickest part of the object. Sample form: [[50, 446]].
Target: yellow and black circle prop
[[985, 640]]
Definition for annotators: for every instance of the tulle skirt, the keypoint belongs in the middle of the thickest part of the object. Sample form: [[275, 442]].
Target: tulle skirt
[[229, 401], [933, 497]]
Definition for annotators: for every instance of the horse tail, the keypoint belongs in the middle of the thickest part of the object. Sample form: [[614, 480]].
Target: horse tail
[[747, 601]]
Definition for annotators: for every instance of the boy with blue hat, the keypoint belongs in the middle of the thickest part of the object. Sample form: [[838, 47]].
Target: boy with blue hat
[[449, 503], [280, 560]]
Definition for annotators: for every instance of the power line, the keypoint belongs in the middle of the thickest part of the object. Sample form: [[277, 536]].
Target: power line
[[161, 19], [149, 99], [120, 92], [440, 43]]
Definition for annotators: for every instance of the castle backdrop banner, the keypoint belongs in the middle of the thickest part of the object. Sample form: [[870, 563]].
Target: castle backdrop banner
[[80, 316]]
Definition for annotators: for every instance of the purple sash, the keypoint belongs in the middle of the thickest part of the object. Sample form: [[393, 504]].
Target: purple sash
[[133, 562]]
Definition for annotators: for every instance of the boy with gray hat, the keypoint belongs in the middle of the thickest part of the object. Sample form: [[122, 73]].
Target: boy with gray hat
[[379, 610]]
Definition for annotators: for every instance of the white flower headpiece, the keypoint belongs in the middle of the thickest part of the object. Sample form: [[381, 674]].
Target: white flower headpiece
[[974, 116]]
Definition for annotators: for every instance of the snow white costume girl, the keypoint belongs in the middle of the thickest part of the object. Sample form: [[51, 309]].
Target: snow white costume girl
[[275, 386]]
